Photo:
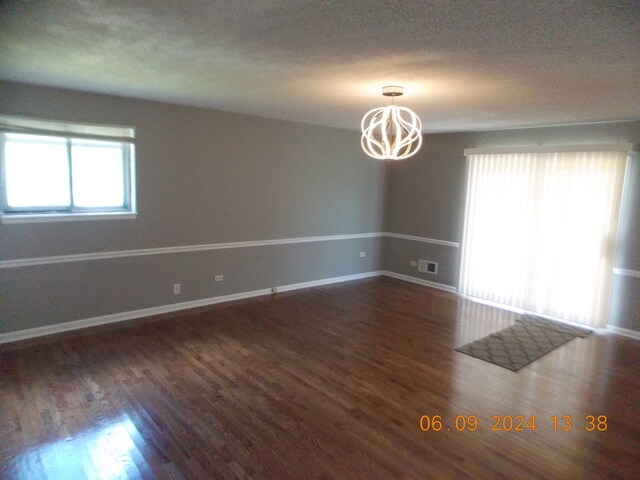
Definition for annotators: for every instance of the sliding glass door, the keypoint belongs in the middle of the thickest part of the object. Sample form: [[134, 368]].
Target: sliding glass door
[[540, 231]]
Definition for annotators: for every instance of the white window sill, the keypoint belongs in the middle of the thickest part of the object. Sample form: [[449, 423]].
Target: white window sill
[[64, 217]]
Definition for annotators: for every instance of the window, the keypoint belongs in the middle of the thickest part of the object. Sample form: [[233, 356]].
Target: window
[[540, 230], [58, 171]]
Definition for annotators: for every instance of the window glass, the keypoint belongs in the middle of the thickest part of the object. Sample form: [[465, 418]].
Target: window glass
[[98, 174], [37, 172], [49, 174]]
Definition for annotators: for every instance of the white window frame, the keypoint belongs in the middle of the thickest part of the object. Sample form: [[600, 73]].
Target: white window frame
[[123, 136]]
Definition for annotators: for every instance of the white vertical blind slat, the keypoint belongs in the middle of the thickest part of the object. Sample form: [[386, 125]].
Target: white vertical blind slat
[[539, 231]]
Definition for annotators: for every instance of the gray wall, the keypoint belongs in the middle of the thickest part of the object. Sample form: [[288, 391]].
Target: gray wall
[[203, 177], [210, 177], [426, 197]]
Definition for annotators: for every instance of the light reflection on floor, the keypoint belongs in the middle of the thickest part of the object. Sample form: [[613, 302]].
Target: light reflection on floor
[[475, 320], [570, 380], [106, 454]]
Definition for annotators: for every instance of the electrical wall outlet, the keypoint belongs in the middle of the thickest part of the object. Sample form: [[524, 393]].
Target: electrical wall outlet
[[219, 278], [413, 263], [363, 254], [176, 289]]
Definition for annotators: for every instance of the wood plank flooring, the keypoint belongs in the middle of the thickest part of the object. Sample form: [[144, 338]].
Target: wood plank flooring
[[329, 382]]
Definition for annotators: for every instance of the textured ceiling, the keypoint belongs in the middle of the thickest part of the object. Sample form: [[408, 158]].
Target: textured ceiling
[[466, 65]]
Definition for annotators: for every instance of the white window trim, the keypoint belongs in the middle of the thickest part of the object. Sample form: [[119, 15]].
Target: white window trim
[[600, 147], [31, 126], [12, 218], [36, 126]]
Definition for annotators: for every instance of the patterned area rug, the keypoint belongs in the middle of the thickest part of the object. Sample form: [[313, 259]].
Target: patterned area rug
[[554, 325], [518, 345]]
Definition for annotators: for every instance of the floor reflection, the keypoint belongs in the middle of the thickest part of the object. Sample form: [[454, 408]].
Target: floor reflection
[[475, 320], [571, 380], [107, 454]]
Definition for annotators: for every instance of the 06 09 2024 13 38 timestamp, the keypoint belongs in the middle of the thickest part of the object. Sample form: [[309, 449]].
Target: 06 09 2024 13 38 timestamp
[[513, 423]]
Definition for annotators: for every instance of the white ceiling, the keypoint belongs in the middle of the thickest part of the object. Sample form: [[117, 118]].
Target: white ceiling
[[466, 65]]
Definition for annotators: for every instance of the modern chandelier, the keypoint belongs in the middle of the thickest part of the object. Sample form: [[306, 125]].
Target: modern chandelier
[[391, 132]]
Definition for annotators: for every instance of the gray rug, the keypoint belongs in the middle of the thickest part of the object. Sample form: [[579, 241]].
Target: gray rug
[[517, 346], [554, 325]]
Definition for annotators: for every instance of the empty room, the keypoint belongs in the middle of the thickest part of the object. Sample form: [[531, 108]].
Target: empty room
[[318, 239]]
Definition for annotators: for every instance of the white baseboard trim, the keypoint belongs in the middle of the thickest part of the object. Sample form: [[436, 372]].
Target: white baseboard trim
[[624, 331], [328, 281], [174, 307], [146, 312], [420, 281]]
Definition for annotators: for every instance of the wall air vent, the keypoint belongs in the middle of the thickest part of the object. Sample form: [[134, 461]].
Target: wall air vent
[[428, 266]]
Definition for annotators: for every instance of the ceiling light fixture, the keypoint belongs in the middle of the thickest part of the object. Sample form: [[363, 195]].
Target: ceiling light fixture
[[391, 132]]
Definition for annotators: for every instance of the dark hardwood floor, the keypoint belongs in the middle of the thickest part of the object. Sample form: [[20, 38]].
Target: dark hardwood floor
[[329, 382]]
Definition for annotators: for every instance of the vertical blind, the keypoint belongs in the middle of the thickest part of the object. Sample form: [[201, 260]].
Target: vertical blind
[[540, 231]]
